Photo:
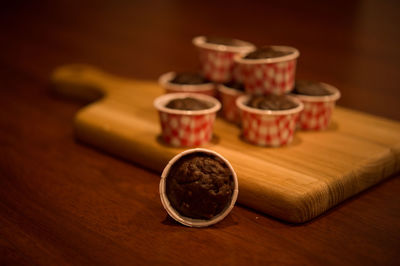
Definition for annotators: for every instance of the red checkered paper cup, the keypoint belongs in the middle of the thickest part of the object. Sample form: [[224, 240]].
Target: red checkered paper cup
[[187, 220], [228, 98], [217, 60], [317, 111], [269, 75], [165, 82], [268, 127], [186, 128]]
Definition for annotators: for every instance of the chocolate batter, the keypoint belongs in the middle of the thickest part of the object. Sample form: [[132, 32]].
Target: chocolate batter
[[223, 41], [271, 102], [199, 186], [310, 88], [266, 52], [189, 78], [235, 85], [188, 103]]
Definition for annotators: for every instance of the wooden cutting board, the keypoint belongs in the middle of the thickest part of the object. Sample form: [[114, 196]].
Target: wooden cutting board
[[294, 183]]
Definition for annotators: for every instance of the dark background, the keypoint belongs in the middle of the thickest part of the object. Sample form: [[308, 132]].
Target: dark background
[[353, 45], [62, 202]]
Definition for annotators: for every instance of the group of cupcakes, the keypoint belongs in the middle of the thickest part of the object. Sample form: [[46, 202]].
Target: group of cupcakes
[[256, 89]]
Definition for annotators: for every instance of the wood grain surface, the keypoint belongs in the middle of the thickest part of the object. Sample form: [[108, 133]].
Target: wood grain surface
[[294, 183], [62, 202]]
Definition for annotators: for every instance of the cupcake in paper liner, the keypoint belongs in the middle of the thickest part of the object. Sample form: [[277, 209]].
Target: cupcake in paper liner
[[198, 187], [269, 69], [188, 82], [186, 119], [228, 93], [217, 56], [319, 100], [269, 120]]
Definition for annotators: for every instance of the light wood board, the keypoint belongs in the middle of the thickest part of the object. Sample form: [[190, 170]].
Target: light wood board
[[294, 183]]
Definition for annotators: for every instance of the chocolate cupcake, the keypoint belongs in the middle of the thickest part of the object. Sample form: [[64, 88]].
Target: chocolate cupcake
[[310, 88], [199, 176], [271, 102], [224, 41], [198, 187], [188, 103], [189, 78], [235, 85], [269, 120], [267, 52], [228, 93], [186, 119], [217, 56], [186, 82], [319, 100], [268, 70]]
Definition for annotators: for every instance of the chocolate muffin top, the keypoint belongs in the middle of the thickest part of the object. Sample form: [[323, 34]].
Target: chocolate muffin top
[[266, 52], [271, 102], [223, 41], [235, 85], [199, 186], [189, 78], [188, 103], [310, 88]]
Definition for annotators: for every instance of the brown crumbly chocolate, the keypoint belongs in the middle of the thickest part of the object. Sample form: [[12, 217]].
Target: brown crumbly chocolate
[[266, 52], [223, 41], [199, 186], [271, 102], [188, 103], [235, 85], [310, 88], [189, 78]]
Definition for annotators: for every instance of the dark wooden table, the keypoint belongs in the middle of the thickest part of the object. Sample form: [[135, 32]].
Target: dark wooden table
[[62, 202]]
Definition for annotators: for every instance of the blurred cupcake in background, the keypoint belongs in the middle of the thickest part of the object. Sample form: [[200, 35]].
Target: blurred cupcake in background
[[319, 100], [228, 93], [217, 56], [268, 70], [190, 82]]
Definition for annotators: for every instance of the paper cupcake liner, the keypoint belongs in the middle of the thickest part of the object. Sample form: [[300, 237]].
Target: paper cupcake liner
[[206, 88], [317, 111], [217, 61], [228, 98], [183, 128], [269, 75], [237, 75], [190, 221], [266, 127]]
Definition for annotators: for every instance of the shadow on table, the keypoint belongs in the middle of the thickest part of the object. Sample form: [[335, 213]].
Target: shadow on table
[[225, 223]]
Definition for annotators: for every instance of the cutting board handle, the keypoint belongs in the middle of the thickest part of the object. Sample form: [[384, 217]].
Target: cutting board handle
[[82, 82]]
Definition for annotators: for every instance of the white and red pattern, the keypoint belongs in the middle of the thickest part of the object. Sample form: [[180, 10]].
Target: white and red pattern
[[217, 60], [186, 130], [268, 130], [316, 115], [269, 78], [237, 75], [228, 99], [217, 66]]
